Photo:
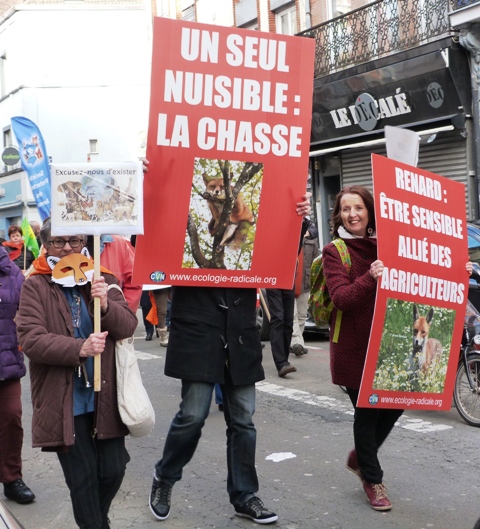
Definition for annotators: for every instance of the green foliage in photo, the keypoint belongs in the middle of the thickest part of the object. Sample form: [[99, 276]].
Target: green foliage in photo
[[393, 371]]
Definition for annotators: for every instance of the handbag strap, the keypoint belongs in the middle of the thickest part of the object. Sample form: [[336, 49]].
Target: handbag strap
[[118, 287]]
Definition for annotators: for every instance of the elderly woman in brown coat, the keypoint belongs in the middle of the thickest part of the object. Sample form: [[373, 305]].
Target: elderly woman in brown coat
[[55, 329]]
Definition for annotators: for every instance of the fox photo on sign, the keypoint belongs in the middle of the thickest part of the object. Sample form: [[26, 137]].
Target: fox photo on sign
[[207, 202], [97, 198], [228, 145], [412, 354]]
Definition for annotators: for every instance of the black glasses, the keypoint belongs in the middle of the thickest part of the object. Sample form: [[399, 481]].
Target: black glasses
[[60, 243]]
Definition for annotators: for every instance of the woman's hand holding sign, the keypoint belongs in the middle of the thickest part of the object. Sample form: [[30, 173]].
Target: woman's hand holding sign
[[100, 290], [376, 269], [94, 344]]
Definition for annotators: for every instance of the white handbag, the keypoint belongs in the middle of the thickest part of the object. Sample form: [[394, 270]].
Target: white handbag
[[134, 406]]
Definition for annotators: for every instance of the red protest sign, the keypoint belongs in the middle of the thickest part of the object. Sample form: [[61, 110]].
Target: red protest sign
[[228, 146], [417, 327]]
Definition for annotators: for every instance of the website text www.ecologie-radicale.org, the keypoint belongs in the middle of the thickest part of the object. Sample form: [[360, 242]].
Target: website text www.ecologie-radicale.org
[[217, 279], [412, 401]]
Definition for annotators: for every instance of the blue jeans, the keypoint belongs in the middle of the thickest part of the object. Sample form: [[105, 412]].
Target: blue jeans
[[218, 394], [186, 430]]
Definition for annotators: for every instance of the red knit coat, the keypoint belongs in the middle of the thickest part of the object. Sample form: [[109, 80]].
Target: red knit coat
[[353, 293]]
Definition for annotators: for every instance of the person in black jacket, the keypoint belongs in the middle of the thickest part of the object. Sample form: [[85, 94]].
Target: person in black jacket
[[214, 339], [17, 251], [281, 304]]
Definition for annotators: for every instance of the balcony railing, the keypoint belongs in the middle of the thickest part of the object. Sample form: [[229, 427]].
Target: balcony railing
[[458, 4], [376, 30]]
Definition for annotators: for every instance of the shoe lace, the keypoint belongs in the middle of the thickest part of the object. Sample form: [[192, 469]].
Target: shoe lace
[[163, 494], [257, 505], [380, 491]]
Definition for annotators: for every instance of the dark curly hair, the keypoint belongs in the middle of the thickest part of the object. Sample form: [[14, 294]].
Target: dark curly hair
[[367, 198]]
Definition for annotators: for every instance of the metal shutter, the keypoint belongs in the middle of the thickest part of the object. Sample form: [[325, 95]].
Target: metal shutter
[[445, 156], [357, 165]]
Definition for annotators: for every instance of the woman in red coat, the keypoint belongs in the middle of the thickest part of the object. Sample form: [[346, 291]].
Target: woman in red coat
[[353, 293]]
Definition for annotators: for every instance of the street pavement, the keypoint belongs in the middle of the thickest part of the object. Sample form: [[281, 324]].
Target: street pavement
[[304, 426]]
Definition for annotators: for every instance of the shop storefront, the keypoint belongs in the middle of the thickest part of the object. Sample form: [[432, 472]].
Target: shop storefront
[[426, 89], [11, 204]]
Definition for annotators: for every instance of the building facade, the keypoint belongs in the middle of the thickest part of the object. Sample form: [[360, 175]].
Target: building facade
[[81, 72], [404, 63]]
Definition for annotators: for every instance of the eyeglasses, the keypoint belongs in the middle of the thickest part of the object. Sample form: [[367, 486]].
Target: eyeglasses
[[60, 243]]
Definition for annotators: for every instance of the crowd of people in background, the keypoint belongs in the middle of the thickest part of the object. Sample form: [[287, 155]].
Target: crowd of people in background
[[54, 329]]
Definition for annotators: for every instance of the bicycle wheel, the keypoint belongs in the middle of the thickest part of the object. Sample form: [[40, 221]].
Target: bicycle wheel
[[467, 400]]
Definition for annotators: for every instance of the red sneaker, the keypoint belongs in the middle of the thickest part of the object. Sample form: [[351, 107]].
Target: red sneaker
[[377, 496], [352, 464]]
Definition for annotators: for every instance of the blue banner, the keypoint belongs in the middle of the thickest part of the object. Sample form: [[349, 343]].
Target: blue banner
[[33, 156]]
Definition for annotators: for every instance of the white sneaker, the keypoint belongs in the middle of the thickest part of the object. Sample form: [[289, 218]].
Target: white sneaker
[[163, 336]]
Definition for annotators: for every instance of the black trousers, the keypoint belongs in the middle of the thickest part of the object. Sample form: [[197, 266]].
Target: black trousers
[[281, 304], [94, 471], [146, 305], [371, 426]]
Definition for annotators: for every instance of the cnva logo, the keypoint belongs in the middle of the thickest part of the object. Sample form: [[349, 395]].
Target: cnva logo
[[373, 399], [157, 277]]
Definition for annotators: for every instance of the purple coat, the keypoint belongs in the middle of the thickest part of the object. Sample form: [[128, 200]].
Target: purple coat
[[12, 365]]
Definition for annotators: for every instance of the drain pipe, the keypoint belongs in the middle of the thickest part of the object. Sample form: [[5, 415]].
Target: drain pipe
[[308, 15]]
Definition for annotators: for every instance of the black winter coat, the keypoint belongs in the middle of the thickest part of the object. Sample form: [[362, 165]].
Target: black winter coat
[[212, 328], [23, 261]]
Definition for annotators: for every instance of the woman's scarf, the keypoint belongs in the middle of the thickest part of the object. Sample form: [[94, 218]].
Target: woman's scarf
[[17, 249], [343, 233]]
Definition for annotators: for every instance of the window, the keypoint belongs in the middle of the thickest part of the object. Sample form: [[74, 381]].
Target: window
[[336, 8], [93, 147], [253, 26], [188, 11], [3, 58], [286, 22], [7, 137]]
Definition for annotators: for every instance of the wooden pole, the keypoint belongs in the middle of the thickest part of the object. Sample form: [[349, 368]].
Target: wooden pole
[[96, 314], [264, 304]]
